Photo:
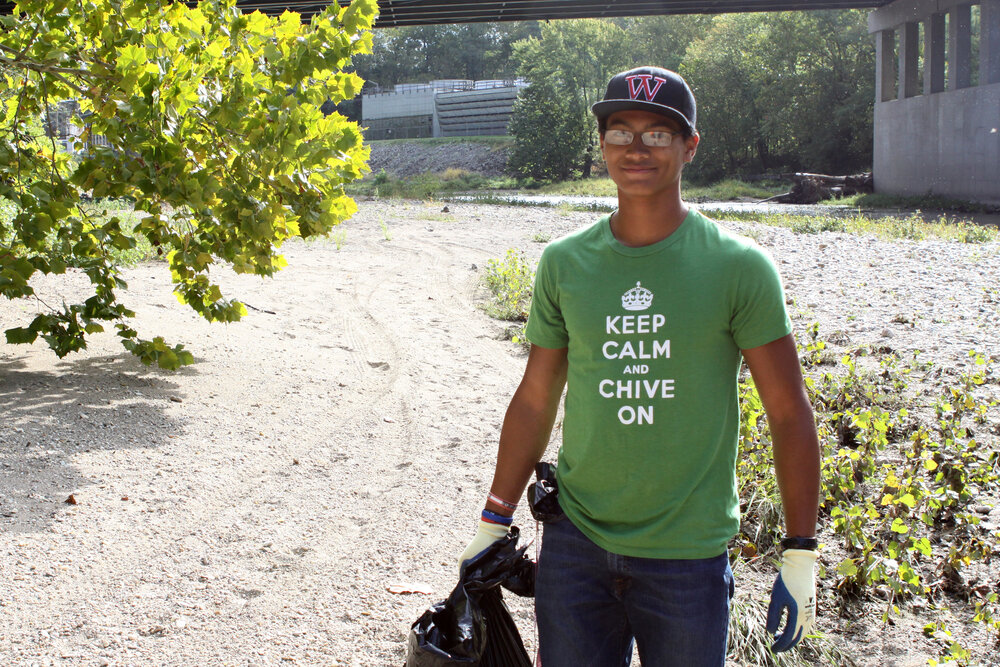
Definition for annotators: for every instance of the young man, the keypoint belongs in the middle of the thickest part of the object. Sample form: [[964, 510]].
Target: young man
[[644, 317]]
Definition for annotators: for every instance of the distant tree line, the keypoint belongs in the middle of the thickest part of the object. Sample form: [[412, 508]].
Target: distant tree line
[[776, 91]]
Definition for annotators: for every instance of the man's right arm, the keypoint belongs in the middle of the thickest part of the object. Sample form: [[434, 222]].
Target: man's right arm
[[523, 439], [527, 425]]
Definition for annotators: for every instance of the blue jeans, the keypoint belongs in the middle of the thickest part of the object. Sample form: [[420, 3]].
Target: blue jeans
[[591, 605]]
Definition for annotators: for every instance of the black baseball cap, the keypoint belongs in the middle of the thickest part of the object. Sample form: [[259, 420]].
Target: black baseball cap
[[650, 89]]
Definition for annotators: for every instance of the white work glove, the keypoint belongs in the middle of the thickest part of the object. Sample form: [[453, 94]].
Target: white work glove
[[794, 590], [487, 534]]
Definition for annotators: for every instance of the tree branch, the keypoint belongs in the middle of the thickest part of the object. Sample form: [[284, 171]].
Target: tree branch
[[39, 67], [69, 83]]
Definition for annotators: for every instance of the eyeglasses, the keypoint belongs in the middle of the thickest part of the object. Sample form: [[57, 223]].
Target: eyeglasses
[[654, 138]]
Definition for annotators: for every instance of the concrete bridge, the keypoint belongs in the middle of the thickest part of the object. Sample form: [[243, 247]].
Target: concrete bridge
[[937, 115]]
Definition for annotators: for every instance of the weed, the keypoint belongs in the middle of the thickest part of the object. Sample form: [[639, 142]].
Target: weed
[[954, 655], [436, 217], [454, 173], [386, 234], [510, 280], [813, 352], [912, 227], [541, 237], [338, 237]]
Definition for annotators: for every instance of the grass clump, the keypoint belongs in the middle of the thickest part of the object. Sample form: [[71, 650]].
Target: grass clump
[[427, 185], [510, 281], [925, 202], [911, 227], [733, 190], [728, 190]]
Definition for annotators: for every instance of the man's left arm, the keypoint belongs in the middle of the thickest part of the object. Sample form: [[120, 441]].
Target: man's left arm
[[777, 375]]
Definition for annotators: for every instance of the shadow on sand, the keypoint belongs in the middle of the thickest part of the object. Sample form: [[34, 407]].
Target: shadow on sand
[[48, 417]]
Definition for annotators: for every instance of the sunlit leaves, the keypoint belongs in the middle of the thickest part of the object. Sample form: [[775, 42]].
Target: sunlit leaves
[[212, 126]]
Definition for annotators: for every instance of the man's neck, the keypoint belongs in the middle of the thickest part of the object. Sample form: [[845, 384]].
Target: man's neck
[[642, 221]]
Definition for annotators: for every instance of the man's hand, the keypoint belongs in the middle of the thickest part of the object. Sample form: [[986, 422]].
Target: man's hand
[[487, 534], [794, 590]]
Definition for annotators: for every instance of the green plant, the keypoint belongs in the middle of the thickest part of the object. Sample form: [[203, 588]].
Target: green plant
[[912, 227], [541, 237], [813, 352], [510, 280], [386, 234], [339, 238], [955, 654], [987, 612]]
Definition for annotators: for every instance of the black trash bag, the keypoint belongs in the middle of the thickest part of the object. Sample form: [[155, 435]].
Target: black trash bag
[[473, 626], [543, 495]]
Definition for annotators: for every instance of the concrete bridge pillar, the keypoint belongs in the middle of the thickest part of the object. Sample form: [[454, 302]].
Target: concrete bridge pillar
[[934, 53], [989, 41], [937, 117], [960, 47]]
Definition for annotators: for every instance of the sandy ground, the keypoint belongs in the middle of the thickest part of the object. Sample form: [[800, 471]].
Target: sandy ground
[[265, 506]]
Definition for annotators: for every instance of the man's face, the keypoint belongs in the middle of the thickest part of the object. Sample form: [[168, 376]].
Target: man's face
[[641, 170]]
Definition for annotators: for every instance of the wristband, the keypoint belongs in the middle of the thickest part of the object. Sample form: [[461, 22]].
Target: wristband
[[807, 543], [493, 517], [492, 497]]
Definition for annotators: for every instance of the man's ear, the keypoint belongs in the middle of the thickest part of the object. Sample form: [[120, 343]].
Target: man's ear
[[691, 146]]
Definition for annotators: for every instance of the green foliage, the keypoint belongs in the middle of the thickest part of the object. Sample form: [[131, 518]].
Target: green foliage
[[898, 490], [777, 91], [783, 91], [462, 51], [211, 124], [510, 280], [568, 67], [552, 138]]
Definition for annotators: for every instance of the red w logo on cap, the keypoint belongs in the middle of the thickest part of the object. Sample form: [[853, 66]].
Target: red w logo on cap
[[640, 83]]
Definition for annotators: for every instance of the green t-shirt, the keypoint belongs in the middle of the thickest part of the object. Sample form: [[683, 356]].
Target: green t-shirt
[[647, 465]]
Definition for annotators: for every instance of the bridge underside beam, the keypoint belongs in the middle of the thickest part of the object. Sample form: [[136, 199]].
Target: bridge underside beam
[[432, 12]]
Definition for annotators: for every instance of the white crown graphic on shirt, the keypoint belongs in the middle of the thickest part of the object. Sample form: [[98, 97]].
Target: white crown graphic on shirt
[[637, 298]]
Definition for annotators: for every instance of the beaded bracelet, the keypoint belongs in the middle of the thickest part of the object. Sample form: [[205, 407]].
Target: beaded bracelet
[[492, 497], [493, 517]]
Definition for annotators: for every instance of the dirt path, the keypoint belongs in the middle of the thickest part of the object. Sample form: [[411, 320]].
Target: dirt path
[[255, 509]]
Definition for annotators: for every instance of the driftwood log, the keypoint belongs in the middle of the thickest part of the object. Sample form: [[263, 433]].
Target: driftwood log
[[813, 188]]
